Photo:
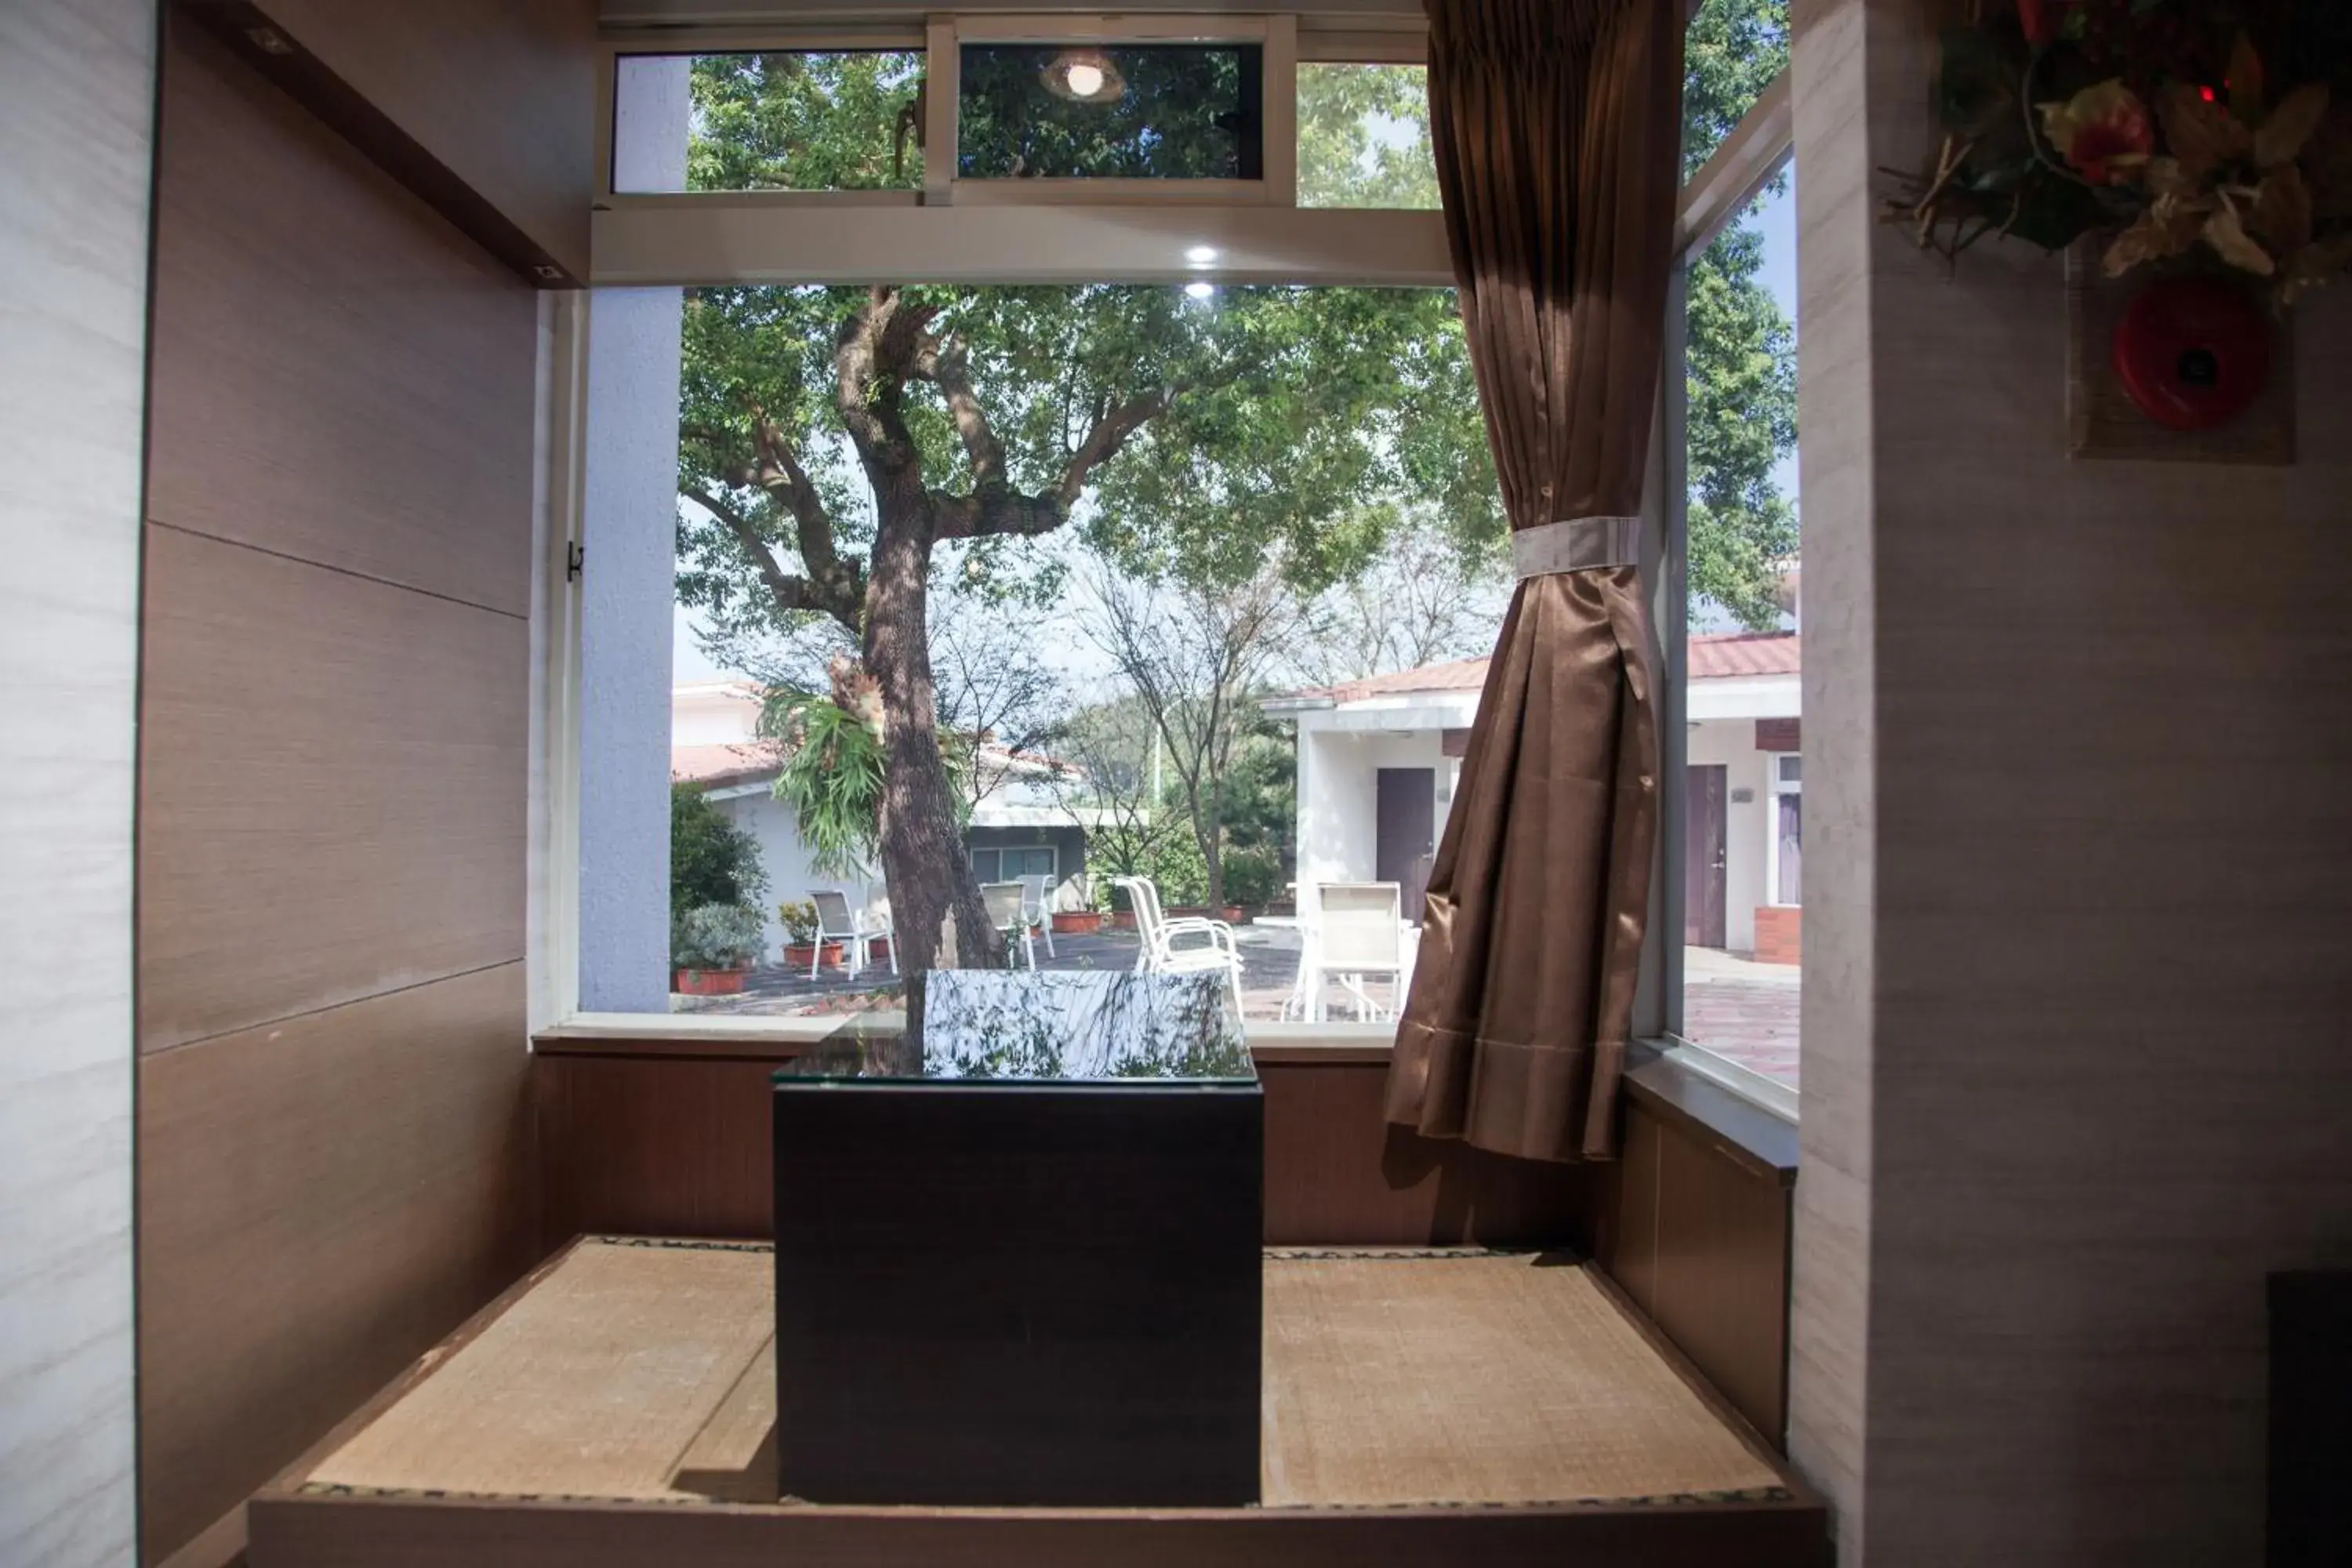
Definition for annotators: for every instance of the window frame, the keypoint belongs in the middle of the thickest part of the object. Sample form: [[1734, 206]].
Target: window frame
[[711, 238], [1757, 151], [1778, 786]]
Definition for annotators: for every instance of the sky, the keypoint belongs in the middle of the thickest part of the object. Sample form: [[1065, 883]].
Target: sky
[[1777, 217]]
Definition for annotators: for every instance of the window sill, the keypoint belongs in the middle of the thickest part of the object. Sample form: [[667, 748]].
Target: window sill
[[1753, 1135]]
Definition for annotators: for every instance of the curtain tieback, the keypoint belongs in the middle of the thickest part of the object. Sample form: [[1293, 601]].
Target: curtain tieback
[[1576, 544]]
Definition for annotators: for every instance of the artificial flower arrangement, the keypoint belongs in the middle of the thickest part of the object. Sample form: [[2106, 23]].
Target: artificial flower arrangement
[[2155, 121]]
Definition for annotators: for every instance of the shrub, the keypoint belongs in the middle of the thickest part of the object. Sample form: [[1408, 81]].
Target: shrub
[[1253, 875], [717, 936], [800, 921], [711, 860]]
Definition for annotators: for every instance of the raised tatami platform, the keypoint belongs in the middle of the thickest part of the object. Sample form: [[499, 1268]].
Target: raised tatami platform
[[618, 1407]]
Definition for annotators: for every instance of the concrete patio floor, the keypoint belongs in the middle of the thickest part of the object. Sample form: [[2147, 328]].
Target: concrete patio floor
[[1744, 1010]]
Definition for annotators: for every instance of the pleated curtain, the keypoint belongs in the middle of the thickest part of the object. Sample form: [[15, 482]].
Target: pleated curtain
[[1556, 127]]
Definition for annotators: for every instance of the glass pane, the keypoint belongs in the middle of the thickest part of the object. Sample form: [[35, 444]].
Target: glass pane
[[827, 120], [1731, 52], [1363, 137], [1241, 666], [1151, 111], [1741, 931], [1792, 812]]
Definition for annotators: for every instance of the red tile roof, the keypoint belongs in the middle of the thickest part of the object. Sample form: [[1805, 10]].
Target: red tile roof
[[728, 764], [1726, 654], [1722, 656]]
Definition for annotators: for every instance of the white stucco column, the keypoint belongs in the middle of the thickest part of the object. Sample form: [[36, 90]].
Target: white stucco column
[[628, 526]]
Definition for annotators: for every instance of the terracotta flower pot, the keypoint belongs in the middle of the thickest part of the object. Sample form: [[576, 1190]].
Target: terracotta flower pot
[[1122, 920], [798, 954], [1076, 923], [709, 982]]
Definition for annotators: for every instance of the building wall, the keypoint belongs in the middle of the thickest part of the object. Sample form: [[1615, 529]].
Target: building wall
[[332, 1137], [2077, 1072], [76, 85], [1732, 744], [786, 861], [1339, 799]]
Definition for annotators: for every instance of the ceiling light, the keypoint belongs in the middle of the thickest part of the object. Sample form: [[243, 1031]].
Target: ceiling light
[[1201, 255], [1200, 290], [1085, 76]]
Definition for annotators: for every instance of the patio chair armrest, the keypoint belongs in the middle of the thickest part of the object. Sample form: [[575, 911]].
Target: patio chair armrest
[[1218, 933]]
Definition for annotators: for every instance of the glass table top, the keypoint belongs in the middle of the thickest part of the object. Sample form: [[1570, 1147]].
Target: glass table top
[[1015, 1027]]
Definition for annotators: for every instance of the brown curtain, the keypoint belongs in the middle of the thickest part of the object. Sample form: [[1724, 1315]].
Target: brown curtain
[[1557, 126]]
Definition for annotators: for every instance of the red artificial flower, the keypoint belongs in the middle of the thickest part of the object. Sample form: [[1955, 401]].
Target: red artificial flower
[[2104, 131]]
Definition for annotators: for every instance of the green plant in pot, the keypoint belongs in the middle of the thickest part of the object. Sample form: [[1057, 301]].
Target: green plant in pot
[[801, 925], [713, 948]]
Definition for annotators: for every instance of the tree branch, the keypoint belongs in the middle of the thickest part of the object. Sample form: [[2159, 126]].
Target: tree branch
[[996, 509], [778, 472], [877, 350], [790, 592]]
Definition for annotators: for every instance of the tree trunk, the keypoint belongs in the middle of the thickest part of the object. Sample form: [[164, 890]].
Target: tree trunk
[[939, 919]]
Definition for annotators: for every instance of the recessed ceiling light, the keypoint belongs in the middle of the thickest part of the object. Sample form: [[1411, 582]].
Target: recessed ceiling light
[[1200, 290], [1200, 255]]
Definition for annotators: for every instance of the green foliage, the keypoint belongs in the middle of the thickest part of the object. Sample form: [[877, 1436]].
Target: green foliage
[[831, 778], [1363, 137], [711, 860], [1740, 363], [1177, 869], [1260, 795], [1177, 117], [801, 121], [717, 936], [1297, 408], [1253, 876]]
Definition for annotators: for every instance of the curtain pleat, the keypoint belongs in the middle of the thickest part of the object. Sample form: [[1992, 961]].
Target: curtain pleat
[[1556, 128]]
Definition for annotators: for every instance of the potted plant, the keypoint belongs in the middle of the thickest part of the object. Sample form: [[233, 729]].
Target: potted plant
[[712, 949], [801, 927], [1082, 921], [1122, 913]]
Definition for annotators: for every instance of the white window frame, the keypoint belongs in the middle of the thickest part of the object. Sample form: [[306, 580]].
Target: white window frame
[[1053, 852], [895, 236], [1778, 786], [1759, 147]]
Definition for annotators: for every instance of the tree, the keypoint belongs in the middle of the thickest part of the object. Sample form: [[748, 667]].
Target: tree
[[1196, 655], [1424, 600], [1113, 788], [1363, 137], [1742, 357]]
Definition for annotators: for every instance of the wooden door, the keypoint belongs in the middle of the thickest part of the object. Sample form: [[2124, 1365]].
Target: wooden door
[[1706, 890], [1405, 831]]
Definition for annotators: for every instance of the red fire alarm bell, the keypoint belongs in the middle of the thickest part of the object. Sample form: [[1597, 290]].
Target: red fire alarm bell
[[2192, 352]]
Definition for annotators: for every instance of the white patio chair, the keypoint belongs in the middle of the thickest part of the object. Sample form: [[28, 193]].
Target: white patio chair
[[1037, 904], [1358, 933], [1168, 946], [1008, 912], [855, 929]]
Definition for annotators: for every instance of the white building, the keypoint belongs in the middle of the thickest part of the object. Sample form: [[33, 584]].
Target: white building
[[1378, 760], [1022, 826]]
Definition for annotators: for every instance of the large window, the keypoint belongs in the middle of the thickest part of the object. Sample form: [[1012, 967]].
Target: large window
[[1214, 557]]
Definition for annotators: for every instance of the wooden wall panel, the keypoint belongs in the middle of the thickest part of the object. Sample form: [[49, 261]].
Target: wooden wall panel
[[655, 1146], [332, 800], [339, 374], [1337, 1171], [503, 93], [319, 1201], [1697, 1236], [333, 1119], [670, 1146]]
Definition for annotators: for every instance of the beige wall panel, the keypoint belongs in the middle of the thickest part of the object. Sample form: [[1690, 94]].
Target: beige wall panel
[[331, 792], [2088, 1075], [319, 1201], [504, 92], [339, 374]]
